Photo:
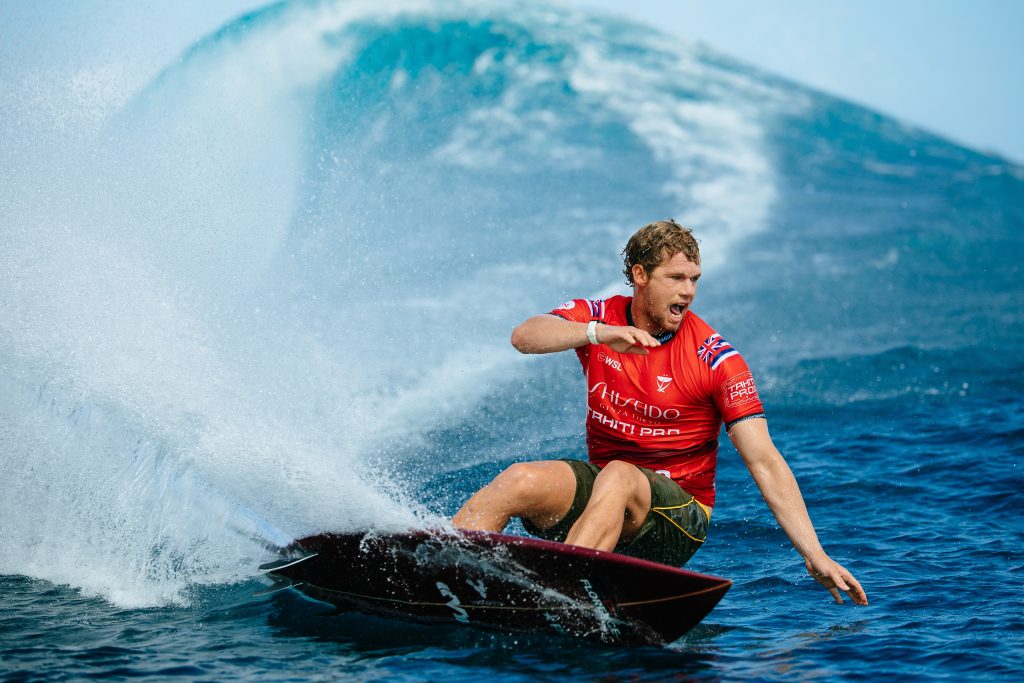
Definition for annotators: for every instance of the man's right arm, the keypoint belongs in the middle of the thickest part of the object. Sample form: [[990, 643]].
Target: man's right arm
[[550, 333]]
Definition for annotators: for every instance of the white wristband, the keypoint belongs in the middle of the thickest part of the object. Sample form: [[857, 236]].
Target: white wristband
[[592, 332]]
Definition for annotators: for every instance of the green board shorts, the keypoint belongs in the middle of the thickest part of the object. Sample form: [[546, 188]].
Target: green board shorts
[[674, 529]]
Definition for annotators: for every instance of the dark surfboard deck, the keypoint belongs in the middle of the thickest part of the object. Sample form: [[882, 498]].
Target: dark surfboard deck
[[499, 581]]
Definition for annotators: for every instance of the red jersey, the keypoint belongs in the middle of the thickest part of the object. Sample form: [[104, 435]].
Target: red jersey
[[662, 411]]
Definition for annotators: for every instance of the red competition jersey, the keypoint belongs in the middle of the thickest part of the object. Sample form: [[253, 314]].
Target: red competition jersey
[[662, 411]]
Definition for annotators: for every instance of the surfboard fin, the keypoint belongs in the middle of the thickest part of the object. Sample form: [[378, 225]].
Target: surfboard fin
[[277, 586]]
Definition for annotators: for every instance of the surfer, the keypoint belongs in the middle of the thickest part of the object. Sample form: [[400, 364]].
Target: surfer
[[660, 383]]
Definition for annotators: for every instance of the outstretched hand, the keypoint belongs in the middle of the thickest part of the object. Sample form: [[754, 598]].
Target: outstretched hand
[[626, 339], [835, 577]]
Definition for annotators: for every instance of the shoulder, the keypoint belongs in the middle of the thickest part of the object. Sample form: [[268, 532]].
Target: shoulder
[[615, 309], [707, 346], [695, 333], [694, 324]]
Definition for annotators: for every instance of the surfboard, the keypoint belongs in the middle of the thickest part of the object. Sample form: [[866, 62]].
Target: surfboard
[[501, 582]]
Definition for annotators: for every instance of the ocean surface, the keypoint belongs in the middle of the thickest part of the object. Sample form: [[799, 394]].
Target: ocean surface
[[271, 293]]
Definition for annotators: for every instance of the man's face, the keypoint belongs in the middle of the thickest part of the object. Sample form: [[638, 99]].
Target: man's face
[[664, 295]]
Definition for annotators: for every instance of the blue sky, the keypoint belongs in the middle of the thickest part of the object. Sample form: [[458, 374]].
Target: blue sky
[[952, 67]]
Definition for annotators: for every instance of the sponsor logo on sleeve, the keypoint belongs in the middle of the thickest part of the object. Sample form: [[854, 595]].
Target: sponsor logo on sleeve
[[739, 390], [568, 306]]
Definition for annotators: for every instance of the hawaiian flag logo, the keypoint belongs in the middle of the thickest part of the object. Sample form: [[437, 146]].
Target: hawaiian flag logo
[[714, 350]]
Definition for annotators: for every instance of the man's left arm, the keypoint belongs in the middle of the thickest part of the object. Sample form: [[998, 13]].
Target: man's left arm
[[781, 492]]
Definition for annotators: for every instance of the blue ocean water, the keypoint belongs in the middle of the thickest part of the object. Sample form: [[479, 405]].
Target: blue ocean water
[[270, 295]]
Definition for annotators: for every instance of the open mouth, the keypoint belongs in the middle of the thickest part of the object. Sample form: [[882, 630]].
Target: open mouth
[[677, 309]]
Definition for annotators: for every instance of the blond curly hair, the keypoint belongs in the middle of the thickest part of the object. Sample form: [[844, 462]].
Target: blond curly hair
[[653, 243]]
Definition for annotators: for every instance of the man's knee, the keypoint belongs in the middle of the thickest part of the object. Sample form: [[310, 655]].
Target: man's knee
[[531, 482], [517, 480], [620, 473], [626, 483], [541, 490]]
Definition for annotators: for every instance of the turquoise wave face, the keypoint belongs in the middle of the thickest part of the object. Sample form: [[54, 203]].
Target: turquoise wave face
[[286, 271]]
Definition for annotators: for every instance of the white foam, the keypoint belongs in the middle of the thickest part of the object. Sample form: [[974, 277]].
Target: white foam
[[722, 179]]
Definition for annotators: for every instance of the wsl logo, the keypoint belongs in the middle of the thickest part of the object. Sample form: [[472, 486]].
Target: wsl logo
[[608, 360], [663, 383]]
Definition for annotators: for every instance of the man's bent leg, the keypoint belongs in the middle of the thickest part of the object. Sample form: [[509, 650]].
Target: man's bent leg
[[617, 509], [541, 492]]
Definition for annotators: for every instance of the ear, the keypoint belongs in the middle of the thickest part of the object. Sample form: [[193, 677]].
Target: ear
[[639, 275]]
